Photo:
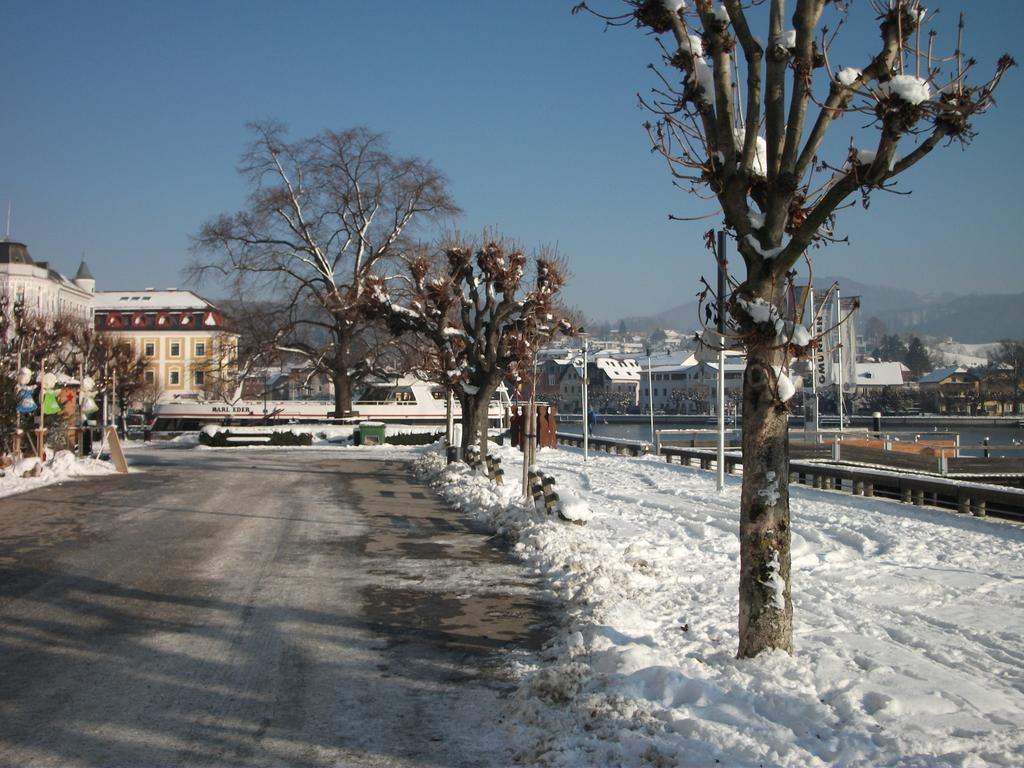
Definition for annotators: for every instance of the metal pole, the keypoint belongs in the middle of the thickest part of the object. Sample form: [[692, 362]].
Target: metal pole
[[451, 453], [586, 413], [79, 421], [722, 266], [814, 329], [41, 431], [839, 348], [650, 393]]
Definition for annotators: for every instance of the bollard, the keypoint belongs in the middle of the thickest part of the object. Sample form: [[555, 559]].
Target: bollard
[[978, 508], [536, 490], [918, 498], [963, 505], [551, 501], [876, 422], [905, 495], [494, 470], [473, 457]]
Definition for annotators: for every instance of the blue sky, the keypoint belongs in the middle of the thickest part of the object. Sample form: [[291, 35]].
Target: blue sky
[[123, 123]]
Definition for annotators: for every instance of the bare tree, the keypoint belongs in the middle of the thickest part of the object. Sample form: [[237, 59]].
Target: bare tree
[[110, 361], [746, 126], [484, 322], [1009, 383], [29, 339], [323, 215]]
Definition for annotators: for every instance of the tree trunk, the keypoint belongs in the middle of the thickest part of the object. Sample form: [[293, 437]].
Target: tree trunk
[[340, 377], [766, 607], [474, 422]]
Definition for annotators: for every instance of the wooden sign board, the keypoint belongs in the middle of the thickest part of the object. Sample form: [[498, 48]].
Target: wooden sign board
[[116, 454]]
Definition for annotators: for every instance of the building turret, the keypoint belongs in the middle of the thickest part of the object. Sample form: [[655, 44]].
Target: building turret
[[84, 278], [14, 253]]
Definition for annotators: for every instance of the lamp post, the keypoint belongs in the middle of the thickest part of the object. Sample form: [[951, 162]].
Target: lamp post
[[722, 267], [586, 411], [650, 393]]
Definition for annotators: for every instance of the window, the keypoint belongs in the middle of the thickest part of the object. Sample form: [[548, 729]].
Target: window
[[149, 377], [200, 378], [175, 349], [174, 377], [149, 349], [200, 349]]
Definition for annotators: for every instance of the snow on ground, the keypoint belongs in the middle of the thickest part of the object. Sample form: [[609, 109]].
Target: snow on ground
[[62, 467], [955, 353], [908, 625]]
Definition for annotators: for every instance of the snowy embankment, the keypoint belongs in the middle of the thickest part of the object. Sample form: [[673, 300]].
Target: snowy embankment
[[29, 474], [908, 625]]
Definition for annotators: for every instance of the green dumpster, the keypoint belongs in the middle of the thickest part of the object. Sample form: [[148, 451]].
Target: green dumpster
[[370, 433]]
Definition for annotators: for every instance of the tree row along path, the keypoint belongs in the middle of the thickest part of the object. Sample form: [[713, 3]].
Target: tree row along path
[[255, 609]]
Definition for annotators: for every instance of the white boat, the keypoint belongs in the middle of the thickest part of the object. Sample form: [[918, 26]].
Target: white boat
[[404, 400]]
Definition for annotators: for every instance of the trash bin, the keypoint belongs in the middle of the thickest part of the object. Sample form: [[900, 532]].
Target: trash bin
[[370, 433]]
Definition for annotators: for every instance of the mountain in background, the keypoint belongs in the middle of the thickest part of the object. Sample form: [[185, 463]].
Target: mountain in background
[[972, 319]]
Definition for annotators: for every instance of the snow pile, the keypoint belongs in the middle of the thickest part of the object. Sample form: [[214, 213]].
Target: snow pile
[[62, 467], [704, 77], [786, 331], [909, 626], [866, 156], [695, 45], [574, 509], [322, 434], [784, 385], [771, 253], [787, 39], [760, 165], [848, 76], [911, 89], [674, 6]]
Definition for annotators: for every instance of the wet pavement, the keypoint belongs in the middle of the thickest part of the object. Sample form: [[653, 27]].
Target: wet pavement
[[256, 608]]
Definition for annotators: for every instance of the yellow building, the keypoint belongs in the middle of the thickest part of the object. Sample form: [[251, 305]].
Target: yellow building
[[181, 336]]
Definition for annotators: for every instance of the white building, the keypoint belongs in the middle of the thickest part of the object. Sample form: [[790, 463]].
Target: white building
[[872, 376], [611, 381], [44, 291], [181, 336], [690, 386]]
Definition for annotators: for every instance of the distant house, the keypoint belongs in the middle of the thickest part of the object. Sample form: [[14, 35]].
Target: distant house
[[182, 337], [952, 390], [690, 386], [300, 383], [1000, 389], [873, 376], [612, 383]]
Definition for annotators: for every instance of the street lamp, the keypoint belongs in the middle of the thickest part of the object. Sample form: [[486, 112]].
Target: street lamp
[[650, 393]]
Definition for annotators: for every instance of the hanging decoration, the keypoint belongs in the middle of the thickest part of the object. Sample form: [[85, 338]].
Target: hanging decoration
[[51, 406], [86, 396], [24, 392]]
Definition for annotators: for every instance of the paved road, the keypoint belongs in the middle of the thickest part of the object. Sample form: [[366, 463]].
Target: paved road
[[247, 609]]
